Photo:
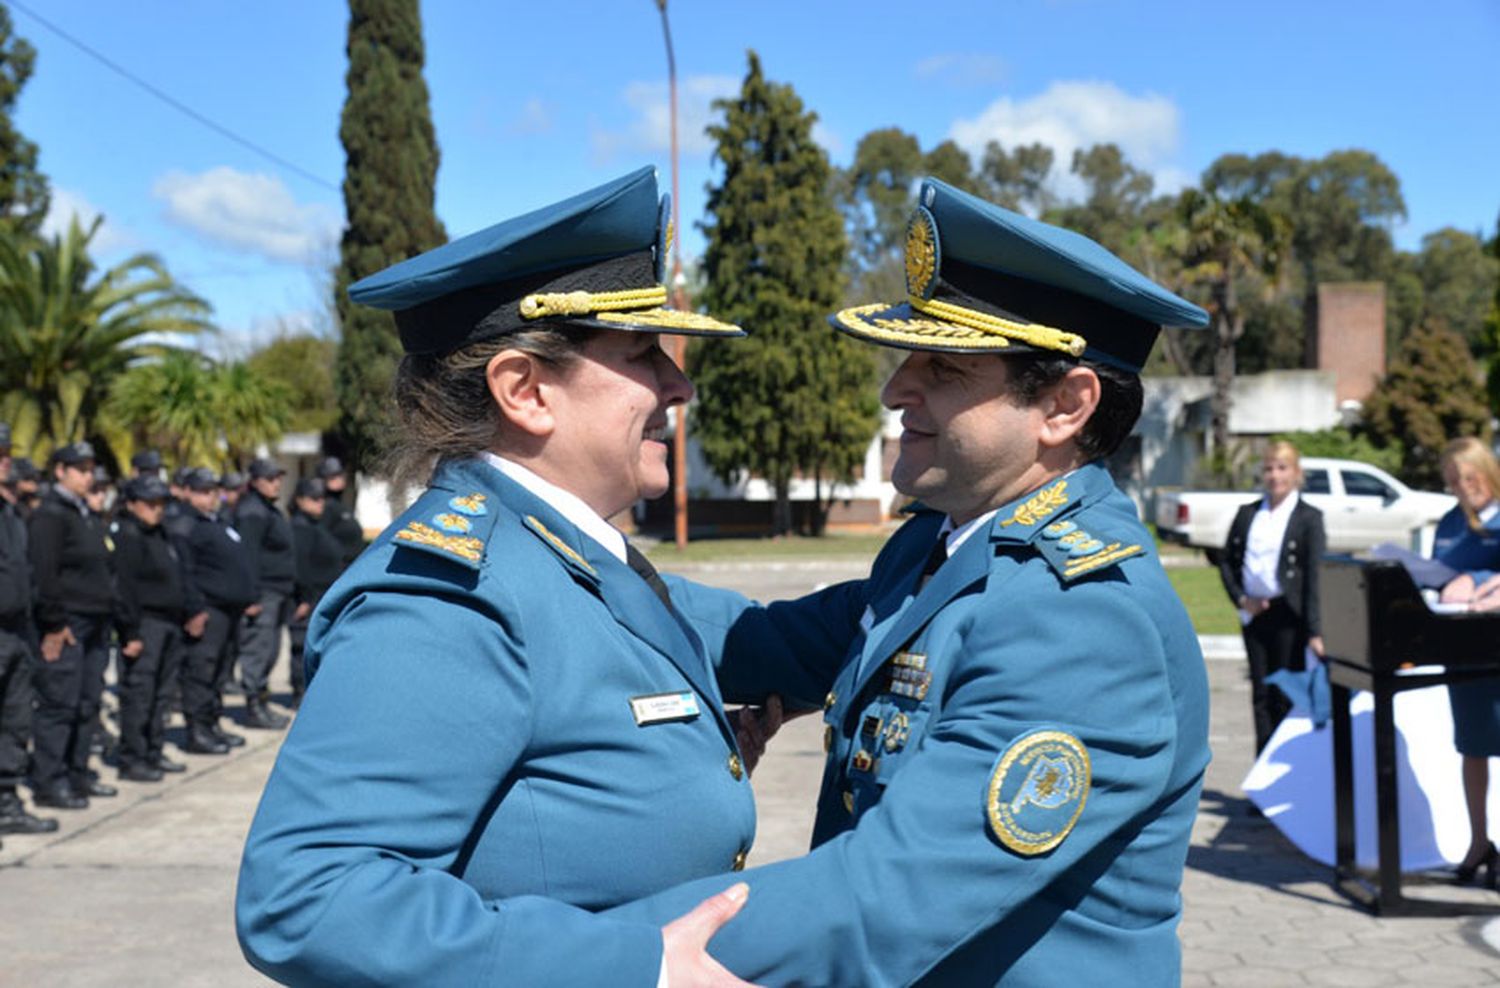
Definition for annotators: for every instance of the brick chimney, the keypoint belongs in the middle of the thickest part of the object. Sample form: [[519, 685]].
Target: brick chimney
[[1349, 338]]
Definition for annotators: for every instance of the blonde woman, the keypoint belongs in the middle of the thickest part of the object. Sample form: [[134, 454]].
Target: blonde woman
[[1270, 570], [1468, 539]]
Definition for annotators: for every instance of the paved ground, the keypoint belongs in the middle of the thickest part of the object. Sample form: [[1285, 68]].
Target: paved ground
[[137, 890]]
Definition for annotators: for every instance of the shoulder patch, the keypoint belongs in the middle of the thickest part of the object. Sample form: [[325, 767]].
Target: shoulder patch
[[1073, 551], [464, 548], [1037, 791], [569, 553]]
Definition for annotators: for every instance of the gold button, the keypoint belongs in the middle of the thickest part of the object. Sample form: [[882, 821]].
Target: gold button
[[739, 861], [828, 738], [830, 700], [849, 801], [736, 768]]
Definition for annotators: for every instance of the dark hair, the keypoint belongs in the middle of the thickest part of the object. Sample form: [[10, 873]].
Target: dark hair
[[1120, 397], [443, 402]]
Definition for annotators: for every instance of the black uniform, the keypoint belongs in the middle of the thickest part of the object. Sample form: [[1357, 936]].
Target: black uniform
[[74, 590], [218, 582], [152, 607], [273, 562], [320, 560], [17, 646], [340, 521]]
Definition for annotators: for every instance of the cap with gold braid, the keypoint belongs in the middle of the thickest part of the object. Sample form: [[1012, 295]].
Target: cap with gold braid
[[595, 259], [983, 279]]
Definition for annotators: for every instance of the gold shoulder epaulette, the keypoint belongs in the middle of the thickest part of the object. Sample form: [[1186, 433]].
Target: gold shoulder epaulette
[[465, 548], [1072, 551], [556, 542]]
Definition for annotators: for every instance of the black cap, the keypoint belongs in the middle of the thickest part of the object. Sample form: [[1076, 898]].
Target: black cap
[[180, 476], [201, 479], [146, 461], [146, 488], [264, 469], [21, 468], [232, 480], [74, 453], [329, 466], [309, 487], [102, 477]]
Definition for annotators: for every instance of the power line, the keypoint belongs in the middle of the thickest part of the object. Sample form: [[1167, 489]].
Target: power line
[[171, 101]]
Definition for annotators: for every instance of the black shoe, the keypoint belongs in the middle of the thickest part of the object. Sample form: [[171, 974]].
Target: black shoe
[[1481, 872], [228, 737], [141, 773], [164, 764], [59, 797], [93, 787], [258, 715], [15, 820], [202, 742]]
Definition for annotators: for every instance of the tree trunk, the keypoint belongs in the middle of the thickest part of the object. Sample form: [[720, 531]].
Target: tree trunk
[[820, 510], [781, 519]]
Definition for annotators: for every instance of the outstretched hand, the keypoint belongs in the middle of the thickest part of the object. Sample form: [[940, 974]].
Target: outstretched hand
[[754, 727], [685, 942]]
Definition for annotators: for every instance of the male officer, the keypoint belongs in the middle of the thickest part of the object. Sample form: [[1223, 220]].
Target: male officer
[[231, 489], [273, 564], [74, 605], [17, 646], [146, 463], [220, 586], [152, 610], [338, 517], [1018, 733], [26, 484], [320, 559]]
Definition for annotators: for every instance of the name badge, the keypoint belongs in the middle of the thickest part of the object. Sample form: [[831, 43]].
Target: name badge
[[663, 708]]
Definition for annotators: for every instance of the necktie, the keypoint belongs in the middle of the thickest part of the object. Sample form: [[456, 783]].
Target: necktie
[[643, 568], [935, 558]]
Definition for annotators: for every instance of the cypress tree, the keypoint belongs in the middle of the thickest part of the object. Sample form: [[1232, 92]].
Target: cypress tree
[[795, 396], [391, 161], [24, 194]]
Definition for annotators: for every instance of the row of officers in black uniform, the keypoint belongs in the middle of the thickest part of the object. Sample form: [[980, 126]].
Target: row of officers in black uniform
[[182, 582]]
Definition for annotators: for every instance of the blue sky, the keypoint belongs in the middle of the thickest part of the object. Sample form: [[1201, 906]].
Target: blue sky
[[533, 102]]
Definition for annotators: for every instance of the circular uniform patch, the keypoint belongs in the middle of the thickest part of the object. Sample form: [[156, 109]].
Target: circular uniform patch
[[1037, 791], [452, 523], [922, 254], [1058, 529], [470, 504]]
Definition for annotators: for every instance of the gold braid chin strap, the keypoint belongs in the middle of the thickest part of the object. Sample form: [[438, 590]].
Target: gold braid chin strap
[[1034, 334], [586, 303]]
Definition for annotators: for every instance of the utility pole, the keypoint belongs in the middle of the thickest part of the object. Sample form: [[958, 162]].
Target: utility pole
[[679, 301]]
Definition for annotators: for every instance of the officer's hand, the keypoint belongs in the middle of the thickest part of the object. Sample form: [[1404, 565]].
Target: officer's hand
[[133, 648], [303, 610], [1459, 590], [196, 625], [54, 643], [754, 727], [685, 940], [252, 611]]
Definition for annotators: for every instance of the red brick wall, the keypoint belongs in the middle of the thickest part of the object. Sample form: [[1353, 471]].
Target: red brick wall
[[1350, 336]]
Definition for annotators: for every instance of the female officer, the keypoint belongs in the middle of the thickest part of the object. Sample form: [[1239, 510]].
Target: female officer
[[1468, 539], [1270, 570], [507, 725]]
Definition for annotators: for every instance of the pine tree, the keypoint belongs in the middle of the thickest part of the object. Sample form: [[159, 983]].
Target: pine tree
[[1430, 396], [24, 193], [391, 161], [795, 396]]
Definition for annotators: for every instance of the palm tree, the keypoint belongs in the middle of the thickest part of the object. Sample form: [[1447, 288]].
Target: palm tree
[[197, 412], [66, 332], [1227, 242]]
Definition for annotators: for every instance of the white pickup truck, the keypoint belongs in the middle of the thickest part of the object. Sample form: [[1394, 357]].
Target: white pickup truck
[[1362, 506]]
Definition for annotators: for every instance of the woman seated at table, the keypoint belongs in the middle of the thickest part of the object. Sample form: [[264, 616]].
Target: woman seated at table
[[1468, 539], [1270, 570]]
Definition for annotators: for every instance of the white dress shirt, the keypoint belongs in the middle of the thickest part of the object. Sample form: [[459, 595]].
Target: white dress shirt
[[1263, 547], [565, 503]]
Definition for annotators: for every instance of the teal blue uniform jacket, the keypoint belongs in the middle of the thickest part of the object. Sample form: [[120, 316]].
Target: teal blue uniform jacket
[[466, 785], [1015, 756]]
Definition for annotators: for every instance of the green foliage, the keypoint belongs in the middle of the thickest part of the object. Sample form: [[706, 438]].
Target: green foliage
[[795, 396], [1431, 395], [1455, 280], [1017, 179], [197, 412], [1341, 444], [67, 331], [24, 192], [391, 161], [303, 365]]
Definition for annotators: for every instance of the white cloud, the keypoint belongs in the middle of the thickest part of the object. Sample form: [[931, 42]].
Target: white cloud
[[251, 213], [535, 118], [66, 205], [1071, 116], [962, 70], [651, 129]]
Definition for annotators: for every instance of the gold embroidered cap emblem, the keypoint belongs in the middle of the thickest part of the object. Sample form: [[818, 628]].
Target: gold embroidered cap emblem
[[921, 254], [1037, 791], [1039, 506]]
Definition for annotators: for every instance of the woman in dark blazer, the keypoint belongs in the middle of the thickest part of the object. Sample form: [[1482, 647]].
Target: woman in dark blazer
[[1269, 568]]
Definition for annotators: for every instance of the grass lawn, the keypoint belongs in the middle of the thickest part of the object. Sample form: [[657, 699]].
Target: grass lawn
[[792, 547], [1207, 604]]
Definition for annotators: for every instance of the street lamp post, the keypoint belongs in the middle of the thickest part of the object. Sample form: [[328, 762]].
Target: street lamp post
[[679, 301]]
